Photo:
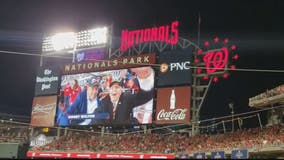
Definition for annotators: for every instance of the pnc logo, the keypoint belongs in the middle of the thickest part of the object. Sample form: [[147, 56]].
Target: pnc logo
[[177, 66]]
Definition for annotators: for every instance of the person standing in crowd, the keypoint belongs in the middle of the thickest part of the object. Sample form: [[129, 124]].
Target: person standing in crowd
[[75, 90]]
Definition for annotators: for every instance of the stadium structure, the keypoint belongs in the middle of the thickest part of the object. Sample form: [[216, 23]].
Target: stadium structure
[[166, 125]]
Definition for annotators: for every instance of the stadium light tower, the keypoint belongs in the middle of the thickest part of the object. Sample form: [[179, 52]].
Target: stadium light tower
[[70, 42], [231, 106], [62, 41]]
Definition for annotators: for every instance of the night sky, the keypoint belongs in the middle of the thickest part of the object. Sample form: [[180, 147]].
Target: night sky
[[256, 27]]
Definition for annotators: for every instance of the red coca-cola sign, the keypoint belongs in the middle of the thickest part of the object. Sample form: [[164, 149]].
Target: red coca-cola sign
[[173, 105]]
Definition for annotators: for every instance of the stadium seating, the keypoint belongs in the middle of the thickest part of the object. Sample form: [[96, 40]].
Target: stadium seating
[[253, 139]]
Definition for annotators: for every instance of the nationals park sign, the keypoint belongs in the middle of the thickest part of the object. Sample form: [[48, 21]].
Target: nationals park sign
[[122, 62]]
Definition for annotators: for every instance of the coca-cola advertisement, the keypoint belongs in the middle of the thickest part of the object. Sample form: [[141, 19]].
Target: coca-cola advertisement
[[43, 111], [173, 105]]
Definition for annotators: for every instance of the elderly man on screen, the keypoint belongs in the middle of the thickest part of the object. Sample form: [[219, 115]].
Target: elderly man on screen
[[120, 104]]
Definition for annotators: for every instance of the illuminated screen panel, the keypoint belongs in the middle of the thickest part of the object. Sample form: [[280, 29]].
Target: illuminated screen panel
[[122, 96], [173, 105], [43, 111], [89, 55]]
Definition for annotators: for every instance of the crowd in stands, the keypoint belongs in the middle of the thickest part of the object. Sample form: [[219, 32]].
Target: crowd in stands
[[11, 133], [269, 93], [254, 138]]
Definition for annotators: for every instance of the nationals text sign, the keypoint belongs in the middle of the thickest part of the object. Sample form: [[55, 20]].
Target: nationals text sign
[[166, 34]]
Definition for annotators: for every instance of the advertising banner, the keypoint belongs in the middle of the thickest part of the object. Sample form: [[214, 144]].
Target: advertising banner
[[218, 155], [175, 68], [92, 155], [200, 155], [240, 154], [183, 156], [47, 81], [41, 140], [43, 111], [173, 105]]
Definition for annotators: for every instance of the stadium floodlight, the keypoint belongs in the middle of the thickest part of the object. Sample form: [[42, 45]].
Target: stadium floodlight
[[62, 41], [93, 37], [97, 37], [59, 41]]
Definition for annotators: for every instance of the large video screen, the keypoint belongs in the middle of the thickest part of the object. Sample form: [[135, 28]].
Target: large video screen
[[123, 96]]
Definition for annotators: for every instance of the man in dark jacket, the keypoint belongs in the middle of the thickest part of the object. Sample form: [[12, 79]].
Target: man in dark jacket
[[119, 104], [85, 105]]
